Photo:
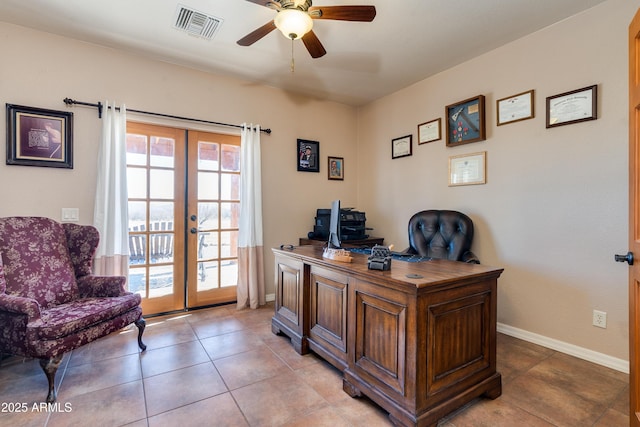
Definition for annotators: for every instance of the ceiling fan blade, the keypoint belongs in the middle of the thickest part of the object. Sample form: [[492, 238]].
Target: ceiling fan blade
[[313, 45], [260, 2], [344, 13], [257, 34]]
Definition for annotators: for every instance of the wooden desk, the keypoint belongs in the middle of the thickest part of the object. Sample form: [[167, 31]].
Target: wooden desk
[[420, 347], [369, 242]]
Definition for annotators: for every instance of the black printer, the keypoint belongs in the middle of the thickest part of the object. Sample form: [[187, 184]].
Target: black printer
[[352, 224]]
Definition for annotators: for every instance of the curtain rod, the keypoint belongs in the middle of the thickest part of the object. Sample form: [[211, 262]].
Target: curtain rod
[[100, 107]]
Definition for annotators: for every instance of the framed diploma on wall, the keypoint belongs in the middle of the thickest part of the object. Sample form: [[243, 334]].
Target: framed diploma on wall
[[468, 169], [515, 108], [429, 131], [576, 106], [401, 147]]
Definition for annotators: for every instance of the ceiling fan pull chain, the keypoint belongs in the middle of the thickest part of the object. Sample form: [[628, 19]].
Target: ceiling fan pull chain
[[293, 65]]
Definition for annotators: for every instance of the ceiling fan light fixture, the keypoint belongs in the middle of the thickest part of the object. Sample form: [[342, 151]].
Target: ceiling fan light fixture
[[293, 23]]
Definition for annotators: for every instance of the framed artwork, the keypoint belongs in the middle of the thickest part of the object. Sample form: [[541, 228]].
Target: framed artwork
[[401, 147], [468, 169], [515, 108], [429, 131], [39, 137], [576, 106], [465, 121], [308, 156], [336, 168]]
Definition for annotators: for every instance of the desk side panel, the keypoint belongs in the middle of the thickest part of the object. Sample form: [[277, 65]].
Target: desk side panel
[[329, 317], [458, 339], [382, 339], [291, 310]]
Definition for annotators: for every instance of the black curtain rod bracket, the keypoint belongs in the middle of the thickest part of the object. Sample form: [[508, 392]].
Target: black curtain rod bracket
[[100, 106], [71, 102]]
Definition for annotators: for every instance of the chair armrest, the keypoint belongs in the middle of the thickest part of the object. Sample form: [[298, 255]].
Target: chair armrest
[[101, 286], [470, 257], [20, 305]]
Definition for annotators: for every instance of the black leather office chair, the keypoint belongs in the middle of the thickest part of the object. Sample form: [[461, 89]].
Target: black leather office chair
[[442, 234]]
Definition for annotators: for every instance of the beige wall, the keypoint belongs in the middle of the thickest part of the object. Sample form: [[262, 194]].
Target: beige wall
[[554, 209], [40, 70], [553, 212]]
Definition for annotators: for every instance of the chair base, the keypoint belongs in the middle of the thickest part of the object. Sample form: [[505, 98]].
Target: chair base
[[141, 324], [50, 367]]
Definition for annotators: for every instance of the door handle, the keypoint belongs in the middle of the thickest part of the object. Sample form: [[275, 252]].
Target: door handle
[[628, 258], [195, 231]]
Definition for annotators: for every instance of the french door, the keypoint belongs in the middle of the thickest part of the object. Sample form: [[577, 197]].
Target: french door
[[183, 216], [634, 220]]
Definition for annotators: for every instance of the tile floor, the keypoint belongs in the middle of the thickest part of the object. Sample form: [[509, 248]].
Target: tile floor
[[223, 367]]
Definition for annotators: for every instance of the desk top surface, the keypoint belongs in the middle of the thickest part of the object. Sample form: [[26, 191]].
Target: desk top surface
[[403, 274]]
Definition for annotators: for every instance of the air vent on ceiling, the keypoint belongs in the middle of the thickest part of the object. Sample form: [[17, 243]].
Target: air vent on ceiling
[[196, 23]]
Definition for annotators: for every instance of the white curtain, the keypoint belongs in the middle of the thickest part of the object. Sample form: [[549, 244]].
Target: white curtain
[[251, 290], [110, 210]]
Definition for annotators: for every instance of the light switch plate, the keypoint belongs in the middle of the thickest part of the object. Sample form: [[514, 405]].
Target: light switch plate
[[70, 214]]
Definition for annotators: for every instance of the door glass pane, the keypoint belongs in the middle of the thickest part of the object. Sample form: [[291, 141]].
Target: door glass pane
[[162, 152], [160, 281], [208, 216], [230, 186], [229, 244], [229, 273], [137, 216], [137, 183], [230, 213], [136, 149], [161, 247], [208, 156], [161, 216], [207, 275], [207, 185], [230, 158], [161, 184], [207, 245], [137, 280], [137, 249]]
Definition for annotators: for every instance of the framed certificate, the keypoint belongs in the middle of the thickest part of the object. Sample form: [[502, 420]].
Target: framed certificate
[[515, 108], [401, 147], [468, 169], [465, 121], [429, 131], [572, 107]]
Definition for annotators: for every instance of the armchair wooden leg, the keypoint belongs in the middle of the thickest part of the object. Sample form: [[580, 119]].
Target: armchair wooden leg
[[141, 324], [50, 367]]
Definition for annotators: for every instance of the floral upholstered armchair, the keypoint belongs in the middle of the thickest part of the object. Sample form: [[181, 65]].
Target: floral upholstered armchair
[[50, 303]]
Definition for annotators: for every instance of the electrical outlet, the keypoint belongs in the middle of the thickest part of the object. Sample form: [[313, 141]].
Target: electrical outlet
[[599, 319]]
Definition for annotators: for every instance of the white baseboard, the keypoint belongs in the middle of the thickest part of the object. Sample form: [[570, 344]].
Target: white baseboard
[[270, 297], [563, 347]]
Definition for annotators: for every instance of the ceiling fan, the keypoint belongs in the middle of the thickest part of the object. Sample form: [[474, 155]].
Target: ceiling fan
[[295, 21]]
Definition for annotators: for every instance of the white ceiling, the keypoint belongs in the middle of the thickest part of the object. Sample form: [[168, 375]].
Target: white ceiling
[[409, 40]]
